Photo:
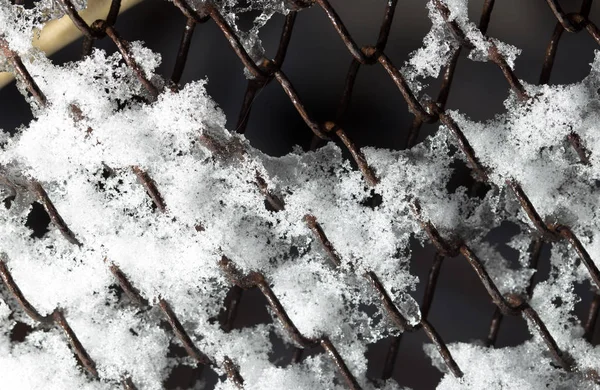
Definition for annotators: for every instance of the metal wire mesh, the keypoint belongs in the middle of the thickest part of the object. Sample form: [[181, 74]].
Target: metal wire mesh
[[428, 111]]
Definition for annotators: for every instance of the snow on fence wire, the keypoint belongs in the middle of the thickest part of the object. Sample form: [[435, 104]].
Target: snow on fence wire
[[230, 150]]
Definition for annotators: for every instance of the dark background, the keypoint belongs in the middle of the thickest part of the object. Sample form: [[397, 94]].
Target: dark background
[[316, 64]]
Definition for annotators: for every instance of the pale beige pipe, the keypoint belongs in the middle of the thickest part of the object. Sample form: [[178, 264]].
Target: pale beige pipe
[[58, 33]]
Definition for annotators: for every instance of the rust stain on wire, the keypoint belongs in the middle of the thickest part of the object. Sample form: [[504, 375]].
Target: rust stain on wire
[[150, 187], [57, 318], [233, 373], [53, 213], [390, 307], [514, 305], [535, 251], [256, 279]]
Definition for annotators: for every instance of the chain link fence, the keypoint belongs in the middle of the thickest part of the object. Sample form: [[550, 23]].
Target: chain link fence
[[425, 111]]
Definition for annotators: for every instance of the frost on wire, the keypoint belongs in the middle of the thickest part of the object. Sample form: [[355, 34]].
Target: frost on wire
[[84, 162]]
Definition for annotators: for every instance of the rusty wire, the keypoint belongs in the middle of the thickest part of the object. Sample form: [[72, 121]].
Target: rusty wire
[[266, 70], [57, 319]]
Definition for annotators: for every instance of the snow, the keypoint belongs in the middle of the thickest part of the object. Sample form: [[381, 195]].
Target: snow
[[208, 178], [522, 367]]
